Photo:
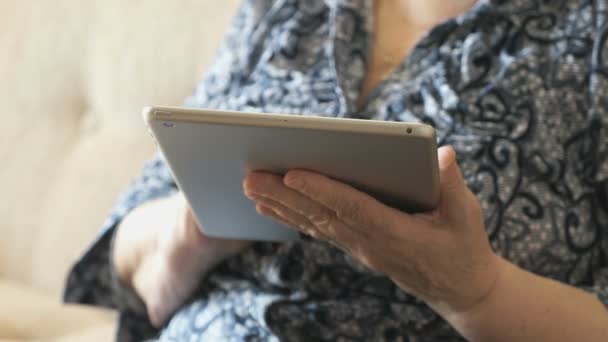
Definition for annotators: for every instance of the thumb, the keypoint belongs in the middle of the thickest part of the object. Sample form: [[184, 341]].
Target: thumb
[[453, 190]]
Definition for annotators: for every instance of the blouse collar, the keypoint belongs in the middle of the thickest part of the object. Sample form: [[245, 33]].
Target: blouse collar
[[351, 35]]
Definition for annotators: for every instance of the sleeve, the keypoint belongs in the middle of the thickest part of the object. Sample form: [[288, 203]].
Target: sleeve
[[92, 279], [600, 285], [599, 274], [238, 55], [597, 137]]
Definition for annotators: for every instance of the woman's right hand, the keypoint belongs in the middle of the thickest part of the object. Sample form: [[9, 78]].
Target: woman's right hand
[[161, 253]]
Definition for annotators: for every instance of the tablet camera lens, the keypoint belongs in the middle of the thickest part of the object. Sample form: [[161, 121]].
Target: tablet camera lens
[[409, 130]]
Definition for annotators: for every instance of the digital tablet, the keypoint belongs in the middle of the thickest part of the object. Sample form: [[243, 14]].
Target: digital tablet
[[211, 151]]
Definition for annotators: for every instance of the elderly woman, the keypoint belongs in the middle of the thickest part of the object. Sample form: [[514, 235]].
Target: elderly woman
[[517, 249]]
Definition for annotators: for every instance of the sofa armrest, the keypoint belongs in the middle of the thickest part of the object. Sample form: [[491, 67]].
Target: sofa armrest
[[29, 314]]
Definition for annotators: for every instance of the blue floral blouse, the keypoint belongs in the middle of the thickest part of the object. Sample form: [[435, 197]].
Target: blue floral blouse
[[519, 88]]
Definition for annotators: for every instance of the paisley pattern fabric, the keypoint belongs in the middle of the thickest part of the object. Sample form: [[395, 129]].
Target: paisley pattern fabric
[[518, 87]]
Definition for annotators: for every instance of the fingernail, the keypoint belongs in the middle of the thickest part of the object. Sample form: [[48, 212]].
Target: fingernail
[[291, 181]]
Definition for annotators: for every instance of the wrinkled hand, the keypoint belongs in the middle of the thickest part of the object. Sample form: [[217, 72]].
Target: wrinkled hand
[[160, 252], [443, 257]]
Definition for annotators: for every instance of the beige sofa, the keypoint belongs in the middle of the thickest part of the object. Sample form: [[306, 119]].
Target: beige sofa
[[73, 78]]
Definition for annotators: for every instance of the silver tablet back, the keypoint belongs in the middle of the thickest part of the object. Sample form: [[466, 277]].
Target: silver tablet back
[[210, 153]]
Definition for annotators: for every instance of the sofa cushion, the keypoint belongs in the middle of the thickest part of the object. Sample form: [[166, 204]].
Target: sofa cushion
[[29, 314], [75, 77]]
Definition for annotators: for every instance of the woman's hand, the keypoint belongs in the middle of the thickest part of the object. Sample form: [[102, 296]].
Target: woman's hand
[[443, 256], [161, 253]]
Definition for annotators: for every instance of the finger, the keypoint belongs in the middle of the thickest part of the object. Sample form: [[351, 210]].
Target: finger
[[264, 210], [451, 177], [322, 219], [287, 217], [285, 212], [338, 233], [453, 189], [259, 184], [354, 207], [268, 212]]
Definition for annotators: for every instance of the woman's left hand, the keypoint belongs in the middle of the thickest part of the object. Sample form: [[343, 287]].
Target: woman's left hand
[[443, 257]]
